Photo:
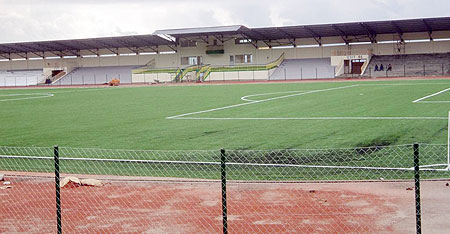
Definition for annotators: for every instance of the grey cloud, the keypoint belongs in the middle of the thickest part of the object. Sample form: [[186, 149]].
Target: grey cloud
[[30, 20]]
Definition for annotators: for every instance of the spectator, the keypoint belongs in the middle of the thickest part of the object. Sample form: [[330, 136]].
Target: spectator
[[376, 67], [389, 67], [381, 67]]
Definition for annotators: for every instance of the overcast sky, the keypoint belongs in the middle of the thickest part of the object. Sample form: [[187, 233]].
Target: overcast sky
[[36, 20]]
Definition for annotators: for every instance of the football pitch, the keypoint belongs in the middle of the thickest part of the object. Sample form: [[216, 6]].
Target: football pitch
[[232, 116]]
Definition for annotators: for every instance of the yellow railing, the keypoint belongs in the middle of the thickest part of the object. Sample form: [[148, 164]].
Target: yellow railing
[[206, 70], [275, 63], [203, 70]]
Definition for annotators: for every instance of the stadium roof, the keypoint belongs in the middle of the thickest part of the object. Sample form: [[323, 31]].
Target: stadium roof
[[205, 31], [369, 29], [138, 41]]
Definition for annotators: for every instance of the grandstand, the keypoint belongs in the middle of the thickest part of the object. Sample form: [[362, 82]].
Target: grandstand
[[415, 47], [304, 69], [20, 77], [96, 75], [410, 65]]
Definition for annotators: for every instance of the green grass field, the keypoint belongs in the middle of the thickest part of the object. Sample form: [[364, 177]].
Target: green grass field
[[135, 117], [235, 117]]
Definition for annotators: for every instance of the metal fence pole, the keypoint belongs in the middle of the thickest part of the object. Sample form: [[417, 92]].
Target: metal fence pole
[[404, 70], [424, 74], [442, 65], [224, 189], [285, 74], [417, 188], [58, 194], [301, 73]]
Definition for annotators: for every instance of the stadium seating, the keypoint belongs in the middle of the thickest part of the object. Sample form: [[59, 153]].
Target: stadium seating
[[20, 77], [96, 75], [410, 65], [317, 68]]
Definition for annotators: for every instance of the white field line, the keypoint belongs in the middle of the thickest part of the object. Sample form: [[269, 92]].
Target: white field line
[[259, 101], [431, 95], [34, 96], [43, 95], [229, 163], [320, 118], [433, 102], [245, 98]]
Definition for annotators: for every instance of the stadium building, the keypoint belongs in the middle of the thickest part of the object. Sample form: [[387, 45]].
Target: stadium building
[[412, 47]]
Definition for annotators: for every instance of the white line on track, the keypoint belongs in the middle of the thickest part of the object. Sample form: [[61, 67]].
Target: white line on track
[[431, 95], [259, 101], [322, 118]]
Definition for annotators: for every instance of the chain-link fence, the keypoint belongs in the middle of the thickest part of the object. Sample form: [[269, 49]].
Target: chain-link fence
[[370, 189]]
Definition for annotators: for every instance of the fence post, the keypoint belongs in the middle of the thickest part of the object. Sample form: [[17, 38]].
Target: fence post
[[224, 189], [58, 194], [417, 188], [404, 70], [424, 70]]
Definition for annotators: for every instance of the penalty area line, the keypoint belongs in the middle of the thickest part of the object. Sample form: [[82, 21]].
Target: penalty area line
[[259, 101], [431, 95]]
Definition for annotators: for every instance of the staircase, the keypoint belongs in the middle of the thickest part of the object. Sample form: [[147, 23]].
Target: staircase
[[203, 73]]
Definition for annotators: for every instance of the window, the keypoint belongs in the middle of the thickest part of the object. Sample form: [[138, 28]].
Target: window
[[243, 58], [231, 59], [215, 42], [184, 60], [188, 43], [191, 60]]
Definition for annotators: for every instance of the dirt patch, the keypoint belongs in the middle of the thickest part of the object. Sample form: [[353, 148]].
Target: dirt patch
[[184, 206]]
